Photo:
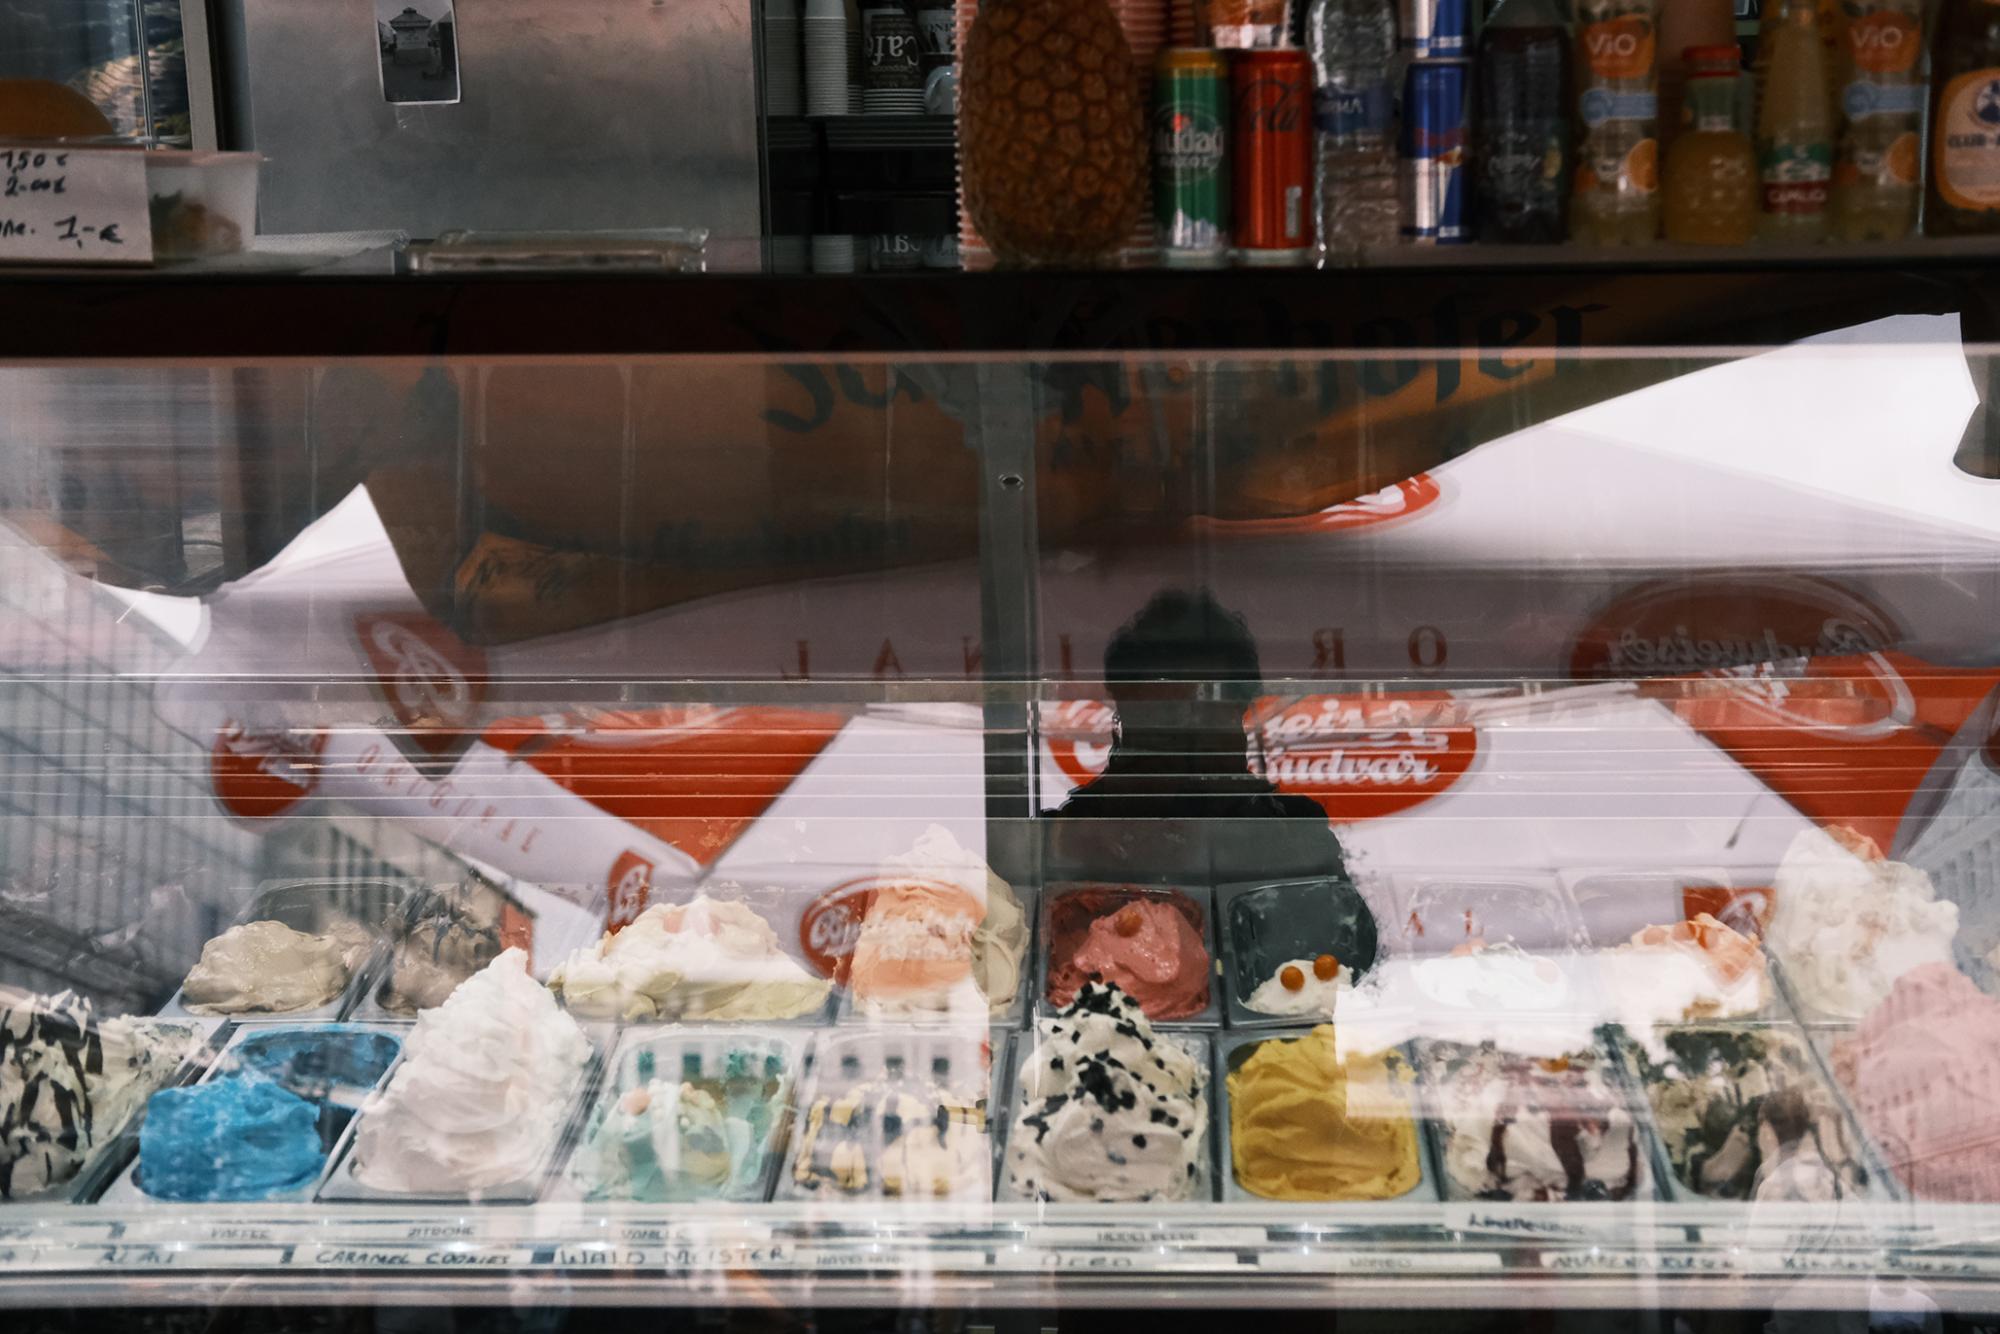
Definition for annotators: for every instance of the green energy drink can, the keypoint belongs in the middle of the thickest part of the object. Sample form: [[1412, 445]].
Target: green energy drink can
[[1191, 156]]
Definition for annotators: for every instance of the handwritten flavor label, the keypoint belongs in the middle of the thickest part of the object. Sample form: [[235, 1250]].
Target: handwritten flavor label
[[74, 206]]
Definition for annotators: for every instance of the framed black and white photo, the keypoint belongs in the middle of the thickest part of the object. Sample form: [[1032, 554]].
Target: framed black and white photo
[[418, 42]]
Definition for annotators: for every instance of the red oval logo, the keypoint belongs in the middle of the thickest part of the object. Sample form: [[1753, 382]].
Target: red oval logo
[[832, 922], [1362, 758], [1078, 735], [1678, 627], [1408, 497], [264, 775], [628, 889]]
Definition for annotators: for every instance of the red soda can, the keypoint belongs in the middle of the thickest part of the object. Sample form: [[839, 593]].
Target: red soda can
[[1271, 147]]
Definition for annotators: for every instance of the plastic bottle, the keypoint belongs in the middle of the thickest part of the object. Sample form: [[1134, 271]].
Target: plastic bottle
[[1712, 169], [1878, 167], [1795, 131], [1521, 131], [1617, 198], [1353, 45], [1684, 26], [1963, 195]]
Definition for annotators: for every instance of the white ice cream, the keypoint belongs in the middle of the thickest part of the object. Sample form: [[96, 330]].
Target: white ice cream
[[707, 959], [482, 1092], [1846, 928], [1316, 997]]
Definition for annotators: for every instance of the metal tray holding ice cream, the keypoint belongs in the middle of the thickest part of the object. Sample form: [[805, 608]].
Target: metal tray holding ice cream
[[342, 1183], [1748, 1139], [861, 1088], [1084, 930], [1201, 1189], [1265, 927], [1502, 1123], [963, 1000], [1235, 1051], [702, 1113], [264, 1122], [442, 937], [109, 1067], [323, 929]]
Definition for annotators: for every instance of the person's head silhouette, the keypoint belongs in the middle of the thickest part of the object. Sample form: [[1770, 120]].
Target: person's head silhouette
[[1181, 673]]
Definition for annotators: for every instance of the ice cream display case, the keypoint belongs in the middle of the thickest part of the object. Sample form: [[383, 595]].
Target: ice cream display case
[[1003, 795]]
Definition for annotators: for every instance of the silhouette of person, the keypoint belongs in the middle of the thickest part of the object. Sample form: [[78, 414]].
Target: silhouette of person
[[1177, 800]]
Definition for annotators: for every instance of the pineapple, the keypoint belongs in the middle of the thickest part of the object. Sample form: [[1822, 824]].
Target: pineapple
[[1051, 130]]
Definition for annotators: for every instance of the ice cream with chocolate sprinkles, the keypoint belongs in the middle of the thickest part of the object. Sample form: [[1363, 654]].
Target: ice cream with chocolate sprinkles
[[1107, 1109]]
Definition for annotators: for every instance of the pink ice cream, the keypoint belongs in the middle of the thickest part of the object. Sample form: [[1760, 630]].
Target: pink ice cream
[[1923, 1071], [1150, 945]]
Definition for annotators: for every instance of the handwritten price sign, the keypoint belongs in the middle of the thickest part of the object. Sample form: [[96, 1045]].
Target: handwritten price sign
[[74, 206]]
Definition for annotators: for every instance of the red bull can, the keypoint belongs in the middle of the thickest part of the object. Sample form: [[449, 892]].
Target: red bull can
[[1435, 29], [1437, 109]]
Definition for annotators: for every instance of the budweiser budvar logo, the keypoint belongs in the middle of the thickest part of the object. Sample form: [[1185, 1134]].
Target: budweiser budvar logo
[[629, 886], [263, 775], [831, 923], [433, 680], [1406, 498], [1678, 627], [1078, 735], [1362, 758]]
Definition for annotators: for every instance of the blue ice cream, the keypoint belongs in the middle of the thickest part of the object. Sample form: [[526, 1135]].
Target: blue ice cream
[[263, 1123], [229, 1139], [332, 1064]]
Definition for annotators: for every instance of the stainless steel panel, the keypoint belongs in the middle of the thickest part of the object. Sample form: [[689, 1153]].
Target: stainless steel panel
[[574, 114]]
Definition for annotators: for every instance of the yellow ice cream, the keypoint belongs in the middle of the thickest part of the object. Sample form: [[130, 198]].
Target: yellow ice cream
[[1303, 1126]]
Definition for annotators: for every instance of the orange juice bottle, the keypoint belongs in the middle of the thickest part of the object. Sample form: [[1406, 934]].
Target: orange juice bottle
[[1877, 165], [1711, 168], [1795, 130], [1617, 197], [1684, 26]]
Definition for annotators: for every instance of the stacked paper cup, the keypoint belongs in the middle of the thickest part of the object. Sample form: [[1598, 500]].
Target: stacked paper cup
[[970, 246], [826, 48], [1145, 25], [782, 94]]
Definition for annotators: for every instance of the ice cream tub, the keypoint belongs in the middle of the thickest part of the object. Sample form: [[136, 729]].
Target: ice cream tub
[[687, 1114], [1612, 903], [1825, 1040], [1156, 942], [443, 937], [1265, 928], [1437, 912], [301, 950], [899, 1114], [913, 959], [107, 1067], [1509, 1127], [524, 1187], [1747, 1112], [1399, 1156], [1199, 1047], [264, 1122]]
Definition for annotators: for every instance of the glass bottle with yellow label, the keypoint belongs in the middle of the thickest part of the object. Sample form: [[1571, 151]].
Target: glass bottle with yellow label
[[1963, 197], [1795, 131]]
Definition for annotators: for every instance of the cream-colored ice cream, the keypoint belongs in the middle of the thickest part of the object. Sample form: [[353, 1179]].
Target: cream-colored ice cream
[[268, 968], [482, 1093], [712, 959], [1845, 927]]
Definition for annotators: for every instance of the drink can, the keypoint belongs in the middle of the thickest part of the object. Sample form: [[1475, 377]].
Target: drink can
[[1191, 155], [1435, 29], [1436, 110], [1271, 134]]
